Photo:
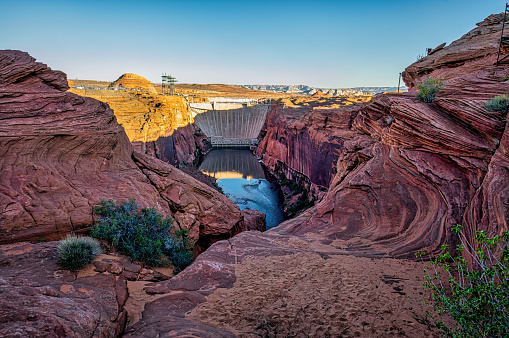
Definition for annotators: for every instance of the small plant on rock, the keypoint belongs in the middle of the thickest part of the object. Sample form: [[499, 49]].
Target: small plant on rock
[[76, 252], [144, 235], [428, 89], [477, 297], [498, 103]]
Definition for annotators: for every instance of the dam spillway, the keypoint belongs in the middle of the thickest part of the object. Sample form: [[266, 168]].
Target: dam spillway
[[228, 124]]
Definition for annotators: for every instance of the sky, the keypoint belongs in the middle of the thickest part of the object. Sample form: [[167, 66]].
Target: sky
[[326, 44]]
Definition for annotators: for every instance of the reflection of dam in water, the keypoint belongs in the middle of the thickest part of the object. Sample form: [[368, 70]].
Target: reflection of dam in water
[[232, 163], [243, 180], [230, 123]]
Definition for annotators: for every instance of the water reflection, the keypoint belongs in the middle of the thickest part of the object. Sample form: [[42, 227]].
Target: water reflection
[[243, 180]]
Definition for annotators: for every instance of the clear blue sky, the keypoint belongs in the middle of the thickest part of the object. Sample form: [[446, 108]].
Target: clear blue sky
[[326, 43]]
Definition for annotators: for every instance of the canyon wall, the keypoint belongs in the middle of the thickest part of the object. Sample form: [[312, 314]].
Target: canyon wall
[[407, 170], [61, 153], [302, 140], [155, 124]]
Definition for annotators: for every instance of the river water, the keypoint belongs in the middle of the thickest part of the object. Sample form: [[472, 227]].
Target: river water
[[243, 180]]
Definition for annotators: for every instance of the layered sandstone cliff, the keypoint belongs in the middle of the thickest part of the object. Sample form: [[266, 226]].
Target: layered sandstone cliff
[[303, 138], [411, 170], [157, 125], [60, 154]]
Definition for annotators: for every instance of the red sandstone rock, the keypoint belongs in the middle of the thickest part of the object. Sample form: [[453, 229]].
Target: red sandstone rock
[[254, 219], [260, 283], [37, 299], [475, 45], [305, 141], [60, 154], [407, 171]]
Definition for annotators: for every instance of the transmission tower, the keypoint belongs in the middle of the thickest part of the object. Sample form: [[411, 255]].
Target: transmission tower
[[168, 84]]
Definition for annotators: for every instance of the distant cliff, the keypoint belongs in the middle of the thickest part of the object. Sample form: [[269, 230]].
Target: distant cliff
[[307, 90]]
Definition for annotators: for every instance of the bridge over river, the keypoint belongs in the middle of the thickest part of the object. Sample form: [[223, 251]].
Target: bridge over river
[[232, 122]]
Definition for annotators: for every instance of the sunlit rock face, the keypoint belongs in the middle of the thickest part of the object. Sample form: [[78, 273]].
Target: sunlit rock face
[[133, 82], [157, 125], [61, 153]]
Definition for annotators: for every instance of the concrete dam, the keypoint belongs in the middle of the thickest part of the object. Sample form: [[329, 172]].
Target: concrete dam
[[231, 124]]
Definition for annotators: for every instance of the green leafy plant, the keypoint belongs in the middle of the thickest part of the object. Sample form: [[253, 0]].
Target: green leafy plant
[[498, 103], [428, 89], [76, 252], [142, 234], [475, 295]]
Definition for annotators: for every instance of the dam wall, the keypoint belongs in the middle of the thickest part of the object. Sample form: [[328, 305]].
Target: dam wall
[[230, 124]]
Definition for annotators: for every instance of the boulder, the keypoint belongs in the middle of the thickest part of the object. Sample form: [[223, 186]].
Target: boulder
[[255, 220]]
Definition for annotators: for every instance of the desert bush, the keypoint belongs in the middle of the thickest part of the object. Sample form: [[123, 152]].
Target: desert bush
[[498, 103], [142, 234], [428, 89], [178, 249], [76, 252], [476, 296]]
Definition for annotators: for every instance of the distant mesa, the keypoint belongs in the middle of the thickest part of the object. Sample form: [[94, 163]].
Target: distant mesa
[[321, 94], [133, 82]]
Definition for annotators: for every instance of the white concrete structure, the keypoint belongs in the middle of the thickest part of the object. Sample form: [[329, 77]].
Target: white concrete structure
[[230, 123]]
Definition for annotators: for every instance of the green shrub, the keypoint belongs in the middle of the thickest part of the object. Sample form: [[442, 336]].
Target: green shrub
[[476, 298], [76, 252], [498, 103], [428, 89], [177, 249], [144, 235]]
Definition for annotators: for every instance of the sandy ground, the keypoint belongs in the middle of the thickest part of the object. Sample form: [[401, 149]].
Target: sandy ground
[[137, 300], [305, 295]]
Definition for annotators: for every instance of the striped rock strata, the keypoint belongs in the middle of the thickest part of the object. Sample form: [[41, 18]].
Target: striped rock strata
[[61, 153]]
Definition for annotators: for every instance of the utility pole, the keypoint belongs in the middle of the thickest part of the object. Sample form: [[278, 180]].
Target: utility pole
[[503, 41]]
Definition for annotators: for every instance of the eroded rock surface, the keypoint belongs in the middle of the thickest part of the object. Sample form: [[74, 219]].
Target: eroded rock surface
[[60, 154], [302, 142], [407, 170], [156, 124], [274, 285], [37, 299], [134, 82]]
